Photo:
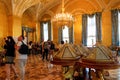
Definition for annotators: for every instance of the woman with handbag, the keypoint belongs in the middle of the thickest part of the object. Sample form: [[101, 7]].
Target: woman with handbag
[[9, 57]]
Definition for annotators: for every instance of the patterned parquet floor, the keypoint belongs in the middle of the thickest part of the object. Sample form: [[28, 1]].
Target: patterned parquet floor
[[36, 69]]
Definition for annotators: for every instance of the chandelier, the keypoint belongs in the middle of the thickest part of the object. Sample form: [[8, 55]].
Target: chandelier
[[63, 19]]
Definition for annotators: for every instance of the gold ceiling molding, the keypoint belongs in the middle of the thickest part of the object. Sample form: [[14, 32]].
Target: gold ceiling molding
[[37, 12], [44, 1], [41, 9], [65, 4], [92, 3], [49, 13], [14, 1], [109, 5], [18, 7], [59, 2], [115, 3], [78, 11], [101, 3], [8, 6], [47, 7], [82, 9], [23, 5]]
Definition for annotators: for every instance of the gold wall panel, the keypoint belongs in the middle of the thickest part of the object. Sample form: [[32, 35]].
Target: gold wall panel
[[106, 28], [78, 29]]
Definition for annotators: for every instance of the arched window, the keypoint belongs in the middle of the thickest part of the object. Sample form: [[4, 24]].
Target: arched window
[[45, 29], [91, 31], [65, 34]]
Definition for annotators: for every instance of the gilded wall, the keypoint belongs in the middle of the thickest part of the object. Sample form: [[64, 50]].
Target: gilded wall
[[106, 28], [11, 25], [78, 29], [3, 21], [4, 30]]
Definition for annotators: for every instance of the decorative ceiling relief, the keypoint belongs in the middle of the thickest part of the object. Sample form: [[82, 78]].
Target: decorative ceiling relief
[[18, 7]]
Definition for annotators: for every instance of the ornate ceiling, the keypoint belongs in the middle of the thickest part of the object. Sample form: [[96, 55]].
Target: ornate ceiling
[[37, 8]]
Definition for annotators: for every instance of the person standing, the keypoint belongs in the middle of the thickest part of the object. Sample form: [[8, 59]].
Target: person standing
[[52, 48], [46, 50], [30, 48], [41, 47], [21, 58], [9, 57]]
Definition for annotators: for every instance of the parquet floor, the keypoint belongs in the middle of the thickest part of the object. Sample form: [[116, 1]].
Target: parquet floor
[[36, 69]]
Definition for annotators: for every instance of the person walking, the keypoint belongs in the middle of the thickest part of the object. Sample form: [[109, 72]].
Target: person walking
[[9, 57], [52, 48], [21, 58], [46, 50]]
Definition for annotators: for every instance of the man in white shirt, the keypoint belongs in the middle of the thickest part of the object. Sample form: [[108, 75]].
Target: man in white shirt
[[21, 58]]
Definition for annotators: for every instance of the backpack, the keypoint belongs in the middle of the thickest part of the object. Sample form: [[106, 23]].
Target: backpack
[[23, 48]]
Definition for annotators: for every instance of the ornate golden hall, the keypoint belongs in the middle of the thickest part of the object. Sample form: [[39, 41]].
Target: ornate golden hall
[[27, 17]]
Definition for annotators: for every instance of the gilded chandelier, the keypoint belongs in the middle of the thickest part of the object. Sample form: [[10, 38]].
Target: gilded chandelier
[[62, 19]]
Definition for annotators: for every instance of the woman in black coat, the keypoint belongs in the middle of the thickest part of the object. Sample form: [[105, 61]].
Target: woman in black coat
[[9, 56]]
